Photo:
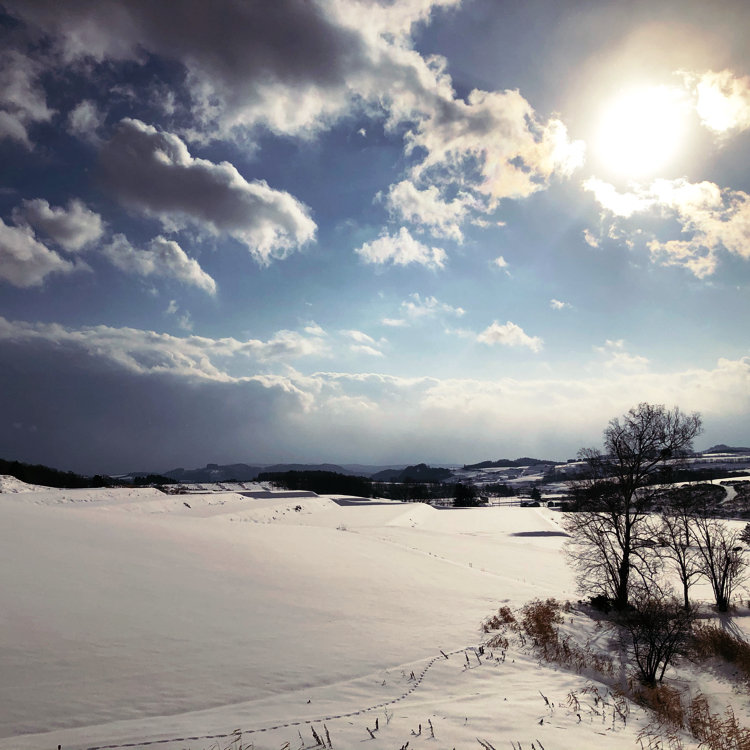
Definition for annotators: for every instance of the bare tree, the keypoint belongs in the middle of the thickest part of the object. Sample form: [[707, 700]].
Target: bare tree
[[658, 629], [722, 560], [610, 538], [674, 531]]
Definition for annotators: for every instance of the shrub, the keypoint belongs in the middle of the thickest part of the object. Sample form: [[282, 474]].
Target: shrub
[[659, 630], [538, 621]]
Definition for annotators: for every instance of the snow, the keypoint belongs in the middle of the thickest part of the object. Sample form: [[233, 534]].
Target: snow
[[10, 484], [131, 616]]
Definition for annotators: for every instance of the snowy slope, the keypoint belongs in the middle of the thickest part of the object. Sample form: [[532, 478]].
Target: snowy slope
[[130, 616]]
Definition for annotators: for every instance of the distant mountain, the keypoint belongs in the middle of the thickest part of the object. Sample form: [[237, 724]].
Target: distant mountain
[[367, 470], [215, 473], [416, 473], [524, 461], [721, 448], [247, 472]]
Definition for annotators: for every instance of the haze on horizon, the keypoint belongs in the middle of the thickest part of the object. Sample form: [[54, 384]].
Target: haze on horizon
[[353, 231]]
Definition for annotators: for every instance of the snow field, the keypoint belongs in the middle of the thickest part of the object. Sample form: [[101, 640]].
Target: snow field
[[130, 618]]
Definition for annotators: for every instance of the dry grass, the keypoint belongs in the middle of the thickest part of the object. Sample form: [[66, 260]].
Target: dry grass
[[503, 618], [673, 712], [715, 731], [666, 704], [710, 641]]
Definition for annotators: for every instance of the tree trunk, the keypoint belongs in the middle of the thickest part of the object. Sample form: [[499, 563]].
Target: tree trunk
[[621, 595]]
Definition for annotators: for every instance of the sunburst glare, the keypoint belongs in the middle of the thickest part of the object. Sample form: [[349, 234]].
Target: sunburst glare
[[642, 131]]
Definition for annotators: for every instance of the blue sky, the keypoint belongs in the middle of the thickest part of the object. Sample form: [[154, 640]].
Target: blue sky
[[361, 231]]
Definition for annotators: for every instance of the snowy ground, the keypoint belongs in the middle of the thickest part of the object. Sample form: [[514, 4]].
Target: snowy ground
[[131, 617]]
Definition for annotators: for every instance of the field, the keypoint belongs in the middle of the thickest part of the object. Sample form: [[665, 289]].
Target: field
[[131, 617]]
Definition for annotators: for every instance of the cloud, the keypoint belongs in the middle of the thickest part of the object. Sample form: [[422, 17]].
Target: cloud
[[617, 203], [292, 66], [163, 258], [148, 352], [556, 304], [427, 209], [24, 261], [85, 120], [298, 67], [722, 101], [358, 336], [416, 307], [401, 250], [73, 228], [499, 135], [590, 238], [617, 358], [22, 99], [501, 263], [711, 217], [184, 320], [183, 395], [153, 171], [509, 334], [365, 344], [370, 351]]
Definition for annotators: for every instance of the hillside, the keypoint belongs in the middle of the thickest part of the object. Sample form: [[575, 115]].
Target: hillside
[[524, 461]]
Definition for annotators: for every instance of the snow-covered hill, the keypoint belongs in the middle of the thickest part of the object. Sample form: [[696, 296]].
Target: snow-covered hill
[[131, 617]]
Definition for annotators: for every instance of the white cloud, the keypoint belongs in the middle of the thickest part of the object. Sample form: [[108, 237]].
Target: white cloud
[[365, 344], [557, 304], [619, 204], [73, 228], [153, 171], [395, 322], [617, 358], [499, 135], [711, 217], [401, 250], [503, 264], [184, 319], [358, 336], [416, 307], [163, 258], [722, 100], [313, 329], [24, 261], [370, 351], [22, 99], [428, 210], [509, 334], [590, 238], [84, 121], [148, 352]]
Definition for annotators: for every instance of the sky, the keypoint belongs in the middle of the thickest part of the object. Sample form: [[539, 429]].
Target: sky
[[368, 231]]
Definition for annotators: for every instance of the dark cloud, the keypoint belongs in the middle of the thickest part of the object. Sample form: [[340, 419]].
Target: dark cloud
[[234, 51], [22, 100], [73, 410], [235, 41], [153, 171], [73, 228], [24, 261]]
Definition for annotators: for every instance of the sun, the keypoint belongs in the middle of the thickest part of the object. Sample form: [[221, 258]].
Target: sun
[[641, 131]]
